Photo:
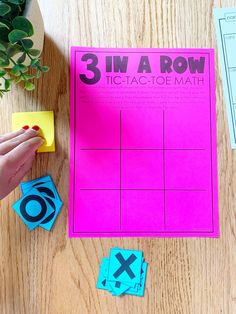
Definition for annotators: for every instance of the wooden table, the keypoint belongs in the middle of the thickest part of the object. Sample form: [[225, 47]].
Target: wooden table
[[45, 272]]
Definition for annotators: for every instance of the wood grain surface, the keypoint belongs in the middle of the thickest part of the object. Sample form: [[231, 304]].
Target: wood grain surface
[[46, 272]]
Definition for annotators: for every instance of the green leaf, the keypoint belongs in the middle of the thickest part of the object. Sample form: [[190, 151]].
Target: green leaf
[[15, 11], [44, 68], [29, 86], [15, 70], [29, 77], [34, 63], [4, 63], [4, 35], [13, 50], [3, 25], [7, 84], [4, 9], [34, 52], [18, 69], [6, 22], [2, 73], [23, 24], [5, 31], [22, 58], [22, 68], [16, 35], [27, 43], [3, 56], [2, 47]]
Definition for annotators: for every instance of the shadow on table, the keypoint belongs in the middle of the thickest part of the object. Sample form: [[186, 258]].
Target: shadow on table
[[53, 85], [52, 91]]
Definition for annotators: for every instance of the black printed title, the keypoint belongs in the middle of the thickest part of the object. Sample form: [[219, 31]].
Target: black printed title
[[117, 67]]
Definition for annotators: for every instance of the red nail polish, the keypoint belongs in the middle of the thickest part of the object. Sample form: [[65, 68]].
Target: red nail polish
[[26, 127], [36, 128]]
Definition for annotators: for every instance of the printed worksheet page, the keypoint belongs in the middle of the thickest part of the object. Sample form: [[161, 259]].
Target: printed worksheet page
[[225, 23]]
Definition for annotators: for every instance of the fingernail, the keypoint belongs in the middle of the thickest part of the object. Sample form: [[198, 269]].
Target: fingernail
[[36, 128], [25, 127]]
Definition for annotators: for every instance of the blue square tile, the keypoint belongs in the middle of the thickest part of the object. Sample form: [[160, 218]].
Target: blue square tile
[[125, 266], [33, 208], [139, 289], [102, 277], [46, 187]]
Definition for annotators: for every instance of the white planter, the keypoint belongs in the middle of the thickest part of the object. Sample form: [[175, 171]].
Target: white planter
[[32, 12]]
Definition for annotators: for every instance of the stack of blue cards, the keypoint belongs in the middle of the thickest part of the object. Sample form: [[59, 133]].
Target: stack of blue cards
[[124, 272], [40, 203]]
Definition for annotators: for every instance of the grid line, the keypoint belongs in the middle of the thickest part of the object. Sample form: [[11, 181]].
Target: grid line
[[163, 149]]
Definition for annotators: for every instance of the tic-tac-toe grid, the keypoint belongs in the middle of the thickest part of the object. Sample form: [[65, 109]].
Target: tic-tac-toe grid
[[142, 180]]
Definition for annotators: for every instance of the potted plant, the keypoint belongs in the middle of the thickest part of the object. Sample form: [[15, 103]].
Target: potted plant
[[21, 43]]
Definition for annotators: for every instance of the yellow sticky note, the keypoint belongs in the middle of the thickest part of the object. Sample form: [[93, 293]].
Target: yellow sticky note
[[44, 119]]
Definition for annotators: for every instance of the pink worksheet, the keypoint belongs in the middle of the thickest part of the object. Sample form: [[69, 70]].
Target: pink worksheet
[[143, 143]]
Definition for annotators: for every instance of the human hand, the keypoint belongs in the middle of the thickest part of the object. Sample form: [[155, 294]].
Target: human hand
[[17, 152]]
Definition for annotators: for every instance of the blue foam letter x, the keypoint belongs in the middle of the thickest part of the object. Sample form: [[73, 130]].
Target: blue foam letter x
[[125, 265]]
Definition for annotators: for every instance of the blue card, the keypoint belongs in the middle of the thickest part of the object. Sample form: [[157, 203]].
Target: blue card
[[102, 277], [33, 208], [46, 187], [27, 186], [139, 291], [225, 22], [49, 191], [49, 221], [117, 287], [125, 266]]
